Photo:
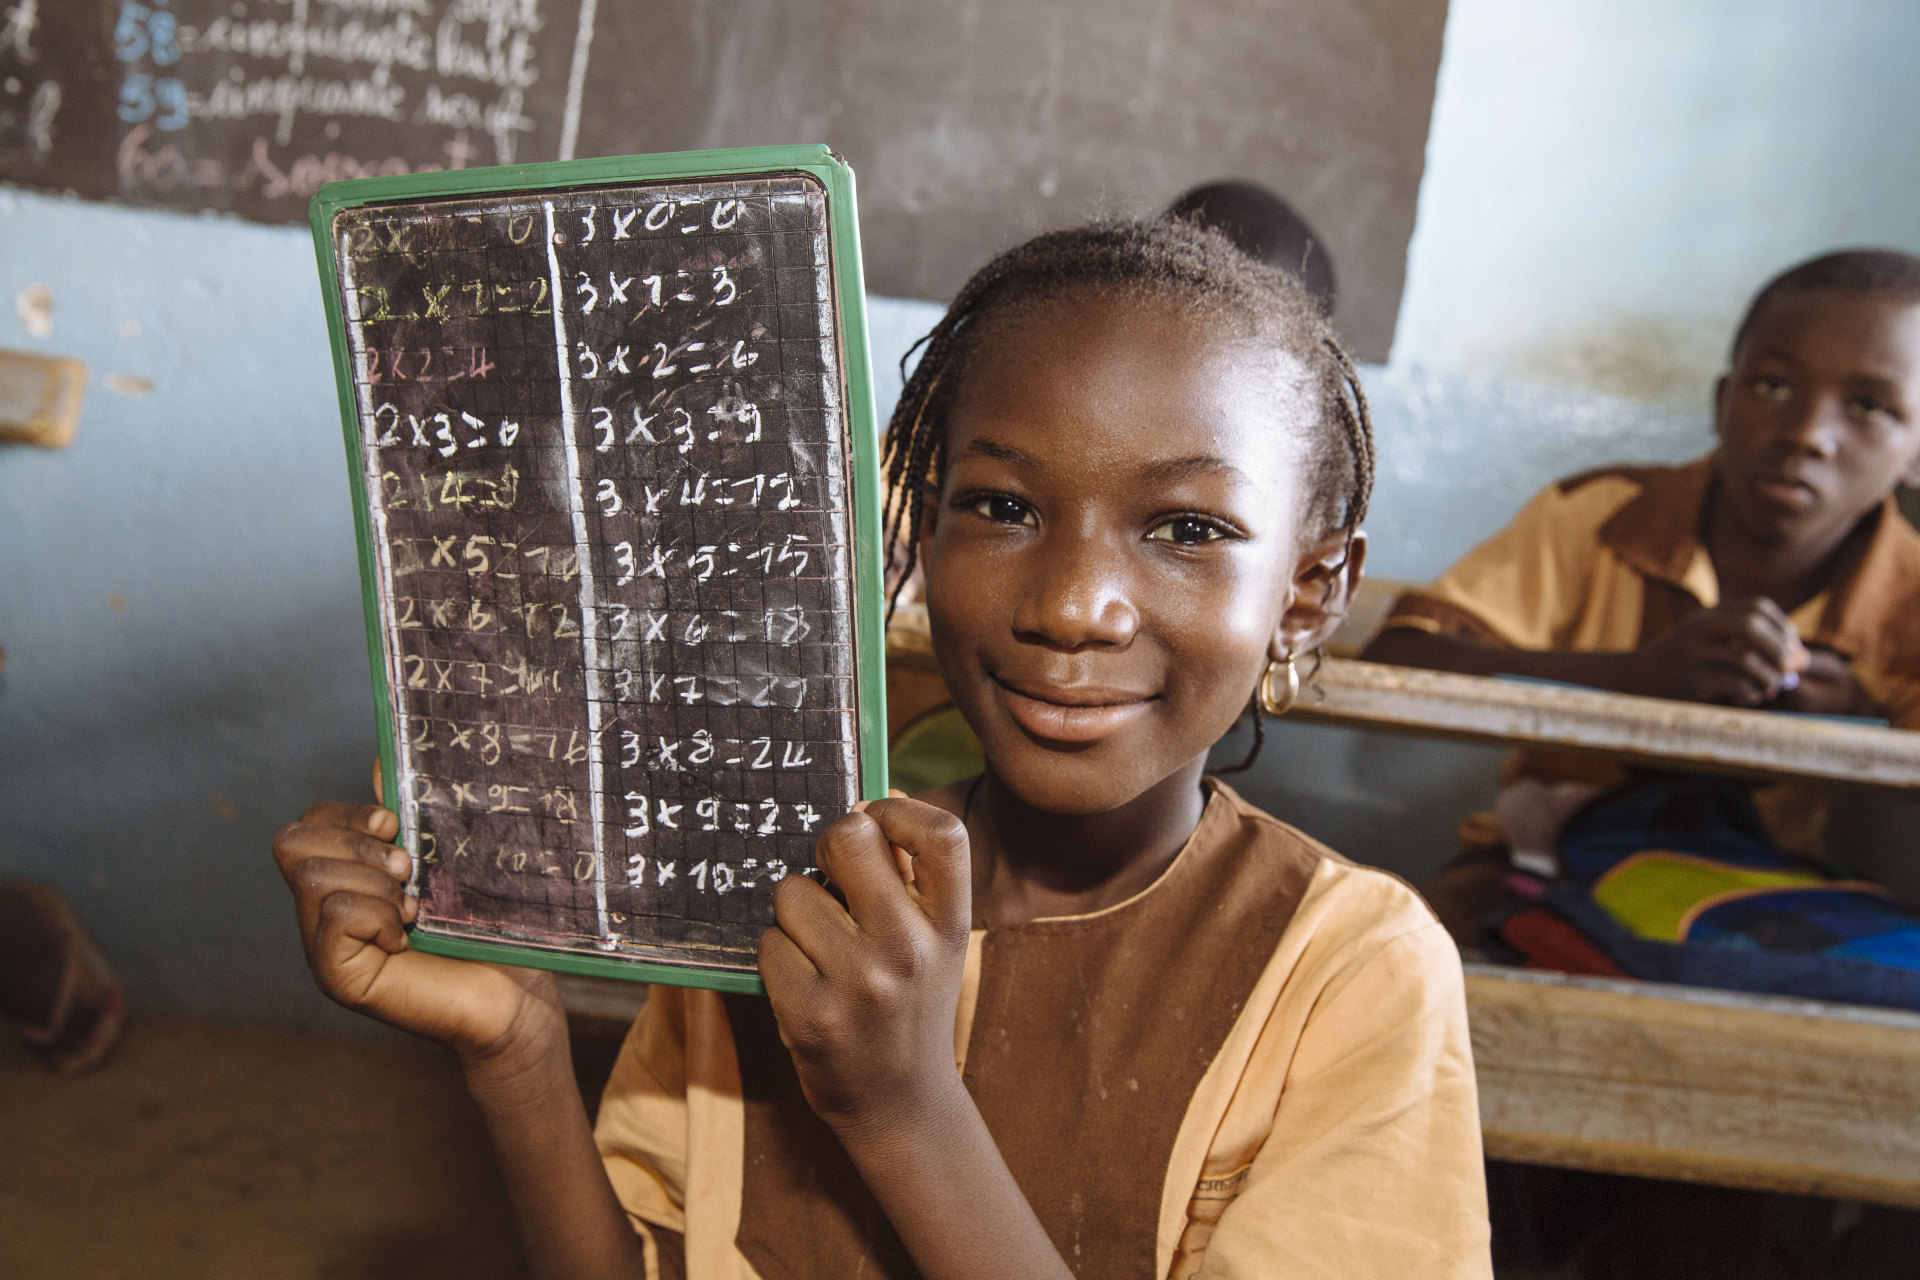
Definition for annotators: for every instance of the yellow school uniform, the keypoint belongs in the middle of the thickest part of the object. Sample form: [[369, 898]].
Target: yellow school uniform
[[1258, 1066], [1607, 560]]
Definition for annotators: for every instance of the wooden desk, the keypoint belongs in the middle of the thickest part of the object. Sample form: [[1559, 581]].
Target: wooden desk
[[1372, 695]]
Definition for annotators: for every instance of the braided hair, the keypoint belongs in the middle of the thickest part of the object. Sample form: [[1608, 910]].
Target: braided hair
[[1167, 259]]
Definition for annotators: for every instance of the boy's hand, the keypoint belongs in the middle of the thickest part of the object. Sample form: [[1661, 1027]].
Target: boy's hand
[[1828, 688], [1742, 653], [349, 892], [866, 994]]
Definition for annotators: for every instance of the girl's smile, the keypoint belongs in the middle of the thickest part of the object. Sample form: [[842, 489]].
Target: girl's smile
[[1067, 713]]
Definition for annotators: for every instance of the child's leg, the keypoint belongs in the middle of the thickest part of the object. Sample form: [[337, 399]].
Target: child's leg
[[29, 956], [55, 986]]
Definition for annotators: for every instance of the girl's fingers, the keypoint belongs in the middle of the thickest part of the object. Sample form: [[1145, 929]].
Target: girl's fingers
[[370, 818], [355, 937], [789, 976], [318, 880], [942, 868], [303, 841], [813, 921], [351, 921], [902, 860], [784, 964], [855, 855]]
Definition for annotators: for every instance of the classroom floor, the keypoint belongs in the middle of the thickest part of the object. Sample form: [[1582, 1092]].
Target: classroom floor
[[204, 1153]]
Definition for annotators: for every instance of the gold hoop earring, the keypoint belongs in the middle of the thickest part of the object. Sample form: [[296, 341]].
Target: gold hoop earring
[[1279, 706]]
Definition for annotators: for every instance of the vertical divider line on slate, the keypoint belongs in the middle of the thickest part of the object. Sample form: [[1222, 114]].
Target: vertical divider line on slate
[[589, 606]]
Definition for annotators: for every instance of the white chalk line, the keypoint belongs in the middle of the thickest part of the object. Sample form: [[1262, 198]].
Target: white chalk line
[[589, 607]]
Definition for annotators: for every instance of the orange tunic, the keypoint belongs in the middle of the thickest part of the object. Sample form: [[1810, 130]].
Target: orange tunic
[[1607, 560], [1258, 1066]]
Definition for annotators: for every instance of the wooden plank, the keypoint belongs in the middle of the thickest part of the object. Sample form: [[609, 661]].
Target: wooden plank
[[1648, 730], [1704, 1086], [40, 398]]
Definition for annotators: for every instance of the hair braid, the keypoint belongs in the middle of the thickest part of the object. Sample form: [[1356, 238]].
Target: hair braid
[[1356, 421], [1259, 740]]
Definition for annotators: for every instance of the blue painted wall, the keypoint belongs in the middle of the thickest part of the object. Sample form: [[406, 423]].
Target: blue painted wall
[[185, 669], [1607, 179], [181, 610]]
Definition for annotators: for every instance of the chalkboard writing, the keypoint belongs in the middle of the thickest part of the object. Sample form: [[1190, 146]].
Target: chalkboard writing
[[974, 122], [251, 105], [607, 470]]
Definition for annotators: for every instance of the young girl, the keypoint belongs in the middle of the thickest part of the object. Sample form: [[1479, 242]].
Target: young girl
[[1097, 1017]]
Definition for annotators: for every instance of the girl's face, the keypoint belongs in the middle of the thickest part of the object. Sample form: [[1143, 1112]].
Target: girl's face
[[1115, 551]]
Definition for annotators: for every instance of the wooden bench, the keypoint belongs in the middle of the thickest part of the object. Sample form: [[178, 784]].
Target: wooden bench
[[1704, 1086], [1633, 1077]]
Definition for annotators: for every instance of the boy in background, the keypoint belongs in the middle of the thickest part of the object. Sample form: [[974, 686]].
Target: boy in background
[[1777, 572]]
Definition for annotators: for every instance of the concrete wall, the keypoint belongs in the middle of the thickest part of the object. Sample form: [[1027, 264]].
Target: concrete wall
[[1608, 181], [185, 665], [181, 610], [178, 597]]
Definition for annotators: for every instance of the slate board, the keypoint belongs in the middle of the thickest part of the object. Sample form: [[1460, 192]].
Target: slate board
[[611, 436]]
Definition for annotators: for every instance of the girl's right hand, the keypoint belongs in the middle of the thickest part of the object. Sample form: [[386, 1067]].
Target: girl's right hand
[[349, 892]]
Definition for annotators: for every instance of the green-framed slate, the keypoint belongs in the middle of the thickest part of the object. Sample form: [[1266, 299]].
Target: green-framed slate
[[615, 476]]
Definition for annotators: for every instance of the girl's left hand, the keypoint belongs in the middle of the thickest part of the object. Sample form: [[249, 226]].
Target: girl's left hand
[[866, 994]]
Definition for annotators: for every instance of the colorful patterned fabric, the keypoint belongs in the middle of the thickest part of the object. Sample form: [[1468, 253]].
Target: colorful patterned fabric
[[1674, 879]]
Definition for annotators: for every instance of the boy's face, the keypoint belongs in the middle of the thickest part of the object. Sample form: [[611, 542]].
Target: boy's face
[[1820, 416], [1114, 546]]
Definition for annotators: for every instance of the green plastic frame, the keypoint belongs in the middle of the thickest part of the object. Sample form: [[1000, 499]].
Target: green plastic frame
[[856, 370]]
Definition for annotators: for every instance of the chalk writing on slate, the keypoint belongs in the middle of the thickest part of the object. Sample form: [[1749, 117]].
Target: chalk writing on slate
[[608, 482]]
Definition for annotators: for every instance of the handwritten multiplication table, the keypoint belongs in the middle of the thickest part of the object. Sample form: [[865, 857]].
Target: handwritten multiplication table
[[611, 441]]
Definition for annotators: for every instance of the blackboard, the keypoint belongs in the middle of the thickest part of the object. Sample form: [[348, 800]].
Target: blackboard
[[973, 126], [611, 439], [249, 106]]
